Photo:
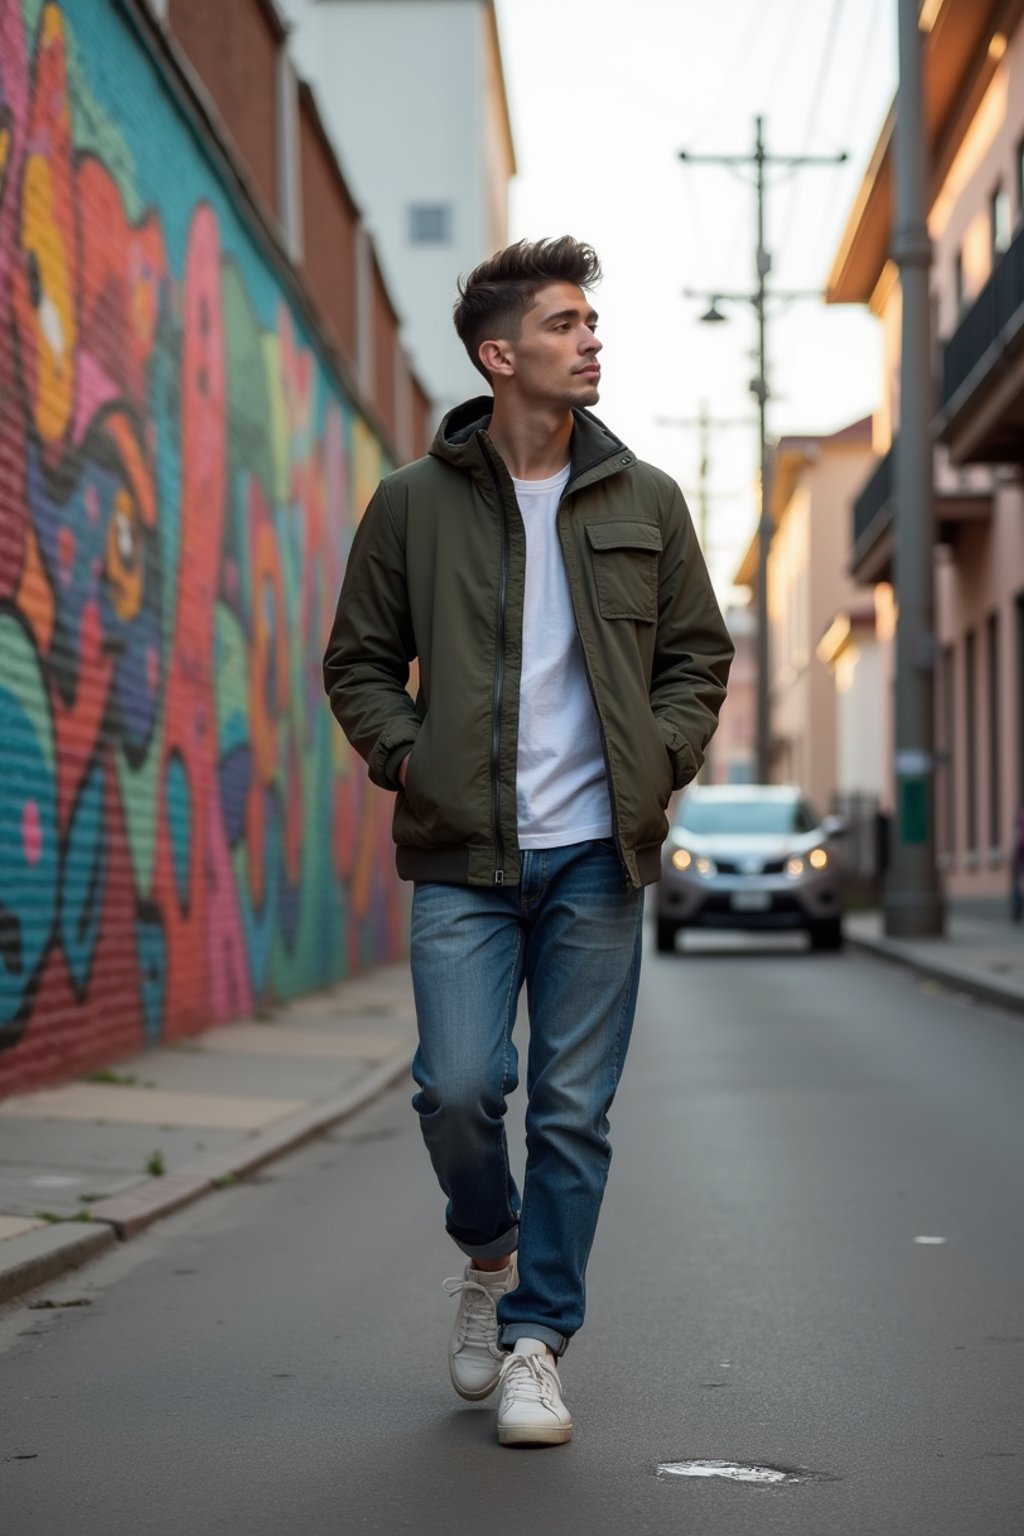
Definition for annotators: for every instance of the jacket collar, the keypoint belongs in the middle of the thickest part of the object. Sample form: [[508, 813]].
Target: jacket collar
[[462, 440]]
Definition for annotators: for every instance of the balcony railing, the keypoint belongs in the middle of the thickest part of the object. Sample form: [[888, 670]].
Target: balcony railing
[[991, 322], [874, 516], [874, 504]]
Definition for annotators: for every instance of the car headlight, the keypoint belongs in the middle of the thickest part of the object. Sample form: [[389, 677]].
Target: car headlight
[[681, 859], [795, 867], [707, 868], [817, 858]]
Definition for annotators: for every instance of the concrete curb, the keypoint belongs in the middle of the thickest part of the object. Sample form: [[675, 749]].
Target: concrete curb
[[37, 1257], [136, 1208], [306, 1124], [988, 989], [41, 1256]]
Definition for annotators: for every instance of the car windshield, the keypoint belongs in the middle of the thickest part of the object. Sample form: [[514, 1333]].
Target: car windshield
[[739, 818]]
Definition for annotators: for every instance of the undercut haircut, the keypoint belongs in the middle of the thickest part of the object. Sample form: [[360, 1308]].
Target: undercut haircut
[[497, 294]]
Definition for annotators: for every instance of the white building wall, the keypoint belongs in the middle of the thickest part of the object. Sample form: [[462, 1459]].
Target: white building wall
[[860, 690], [402, 87]]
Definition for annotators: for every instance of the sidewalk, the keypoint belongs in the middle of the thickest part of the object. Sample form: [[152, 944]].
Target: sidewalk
[[981, 954], [97, 1160]]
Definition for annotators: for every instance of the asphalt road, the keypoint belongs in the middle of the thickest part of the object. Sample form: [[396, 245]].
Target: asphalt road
[[273, 1361]]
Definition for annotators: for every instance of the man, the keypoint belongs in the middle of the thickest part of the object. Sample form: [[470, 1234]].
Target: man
[[572, 663]]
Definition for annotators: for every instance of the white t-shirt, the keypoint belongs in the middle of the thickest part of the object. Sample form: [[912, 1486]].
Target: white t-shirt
[[561, 780]]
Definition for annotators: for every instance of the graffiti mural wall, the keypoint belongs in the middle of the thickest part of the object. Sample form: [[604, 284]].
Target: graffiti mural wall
[[183, 834]]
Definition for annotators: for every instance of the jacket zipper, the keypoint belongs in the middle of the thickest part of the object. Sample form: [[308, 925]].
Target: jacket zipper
[[498, 877]]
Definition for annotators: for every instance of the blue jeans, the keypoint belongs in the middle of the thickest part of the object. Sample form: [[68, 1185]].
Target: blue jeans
[[572, 931]]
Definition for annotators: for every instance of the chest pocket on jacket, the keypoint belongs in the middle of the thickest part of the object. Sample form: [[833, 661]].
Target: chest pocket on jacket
[[625, 557]]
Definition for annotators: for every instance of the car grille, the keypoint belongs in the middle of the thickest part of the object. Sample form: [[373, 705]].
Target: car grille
[[730, 867], [721, 905]]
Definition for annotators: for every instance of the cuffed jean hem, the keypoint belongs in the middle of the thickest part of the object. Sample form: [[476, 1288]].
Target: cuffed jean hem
[[500, 1248], [558, 1343]]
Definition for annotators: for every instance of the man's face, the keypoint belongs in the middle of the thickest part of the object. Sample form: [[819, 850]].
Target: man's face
[[555, 354]]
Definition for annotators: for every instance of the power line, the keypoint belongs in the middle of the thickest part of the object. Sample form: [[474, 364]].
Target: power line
[[846, 136], [789, 222], [733, 71], [776, 74], [855, 99], [696, 235], [705, 425], [761, 159], [735, 167]]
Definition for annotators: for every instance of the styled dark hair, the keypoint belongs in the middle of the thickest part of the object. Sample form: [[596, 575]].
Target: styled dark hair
[[497, 294]]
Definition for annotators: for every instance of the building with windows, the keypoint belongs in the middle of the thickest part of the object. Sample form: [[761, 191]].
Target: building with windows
[[974, 124], [730, 757], [412, 95], [812, 480]]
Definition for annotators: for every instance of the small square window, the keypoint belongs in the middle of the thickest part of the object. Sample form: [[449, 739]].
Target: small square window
[[430, 223], [958, 281], [1000, 221]]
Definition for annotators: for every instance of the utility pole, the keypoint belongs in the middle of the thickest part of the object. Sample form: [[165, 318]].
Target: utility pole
[[759, 389], [705, 424], [913, 898], [704, 429]]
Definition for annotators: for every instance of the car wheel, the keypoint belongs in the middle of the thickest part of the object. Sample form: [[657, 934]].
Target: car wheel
[[827, 934], [666, 940]]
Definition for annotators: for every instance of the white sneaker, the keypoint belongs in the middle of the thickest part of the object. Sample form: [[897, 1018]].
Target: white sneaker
[[531, 1411], [474, 1359]]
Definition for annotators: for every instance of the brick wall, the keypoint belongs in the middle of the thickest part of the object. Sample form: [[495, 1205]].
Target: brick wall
[[330, 226], [421, 418], [183, 832], [385, 342], [233, 45]]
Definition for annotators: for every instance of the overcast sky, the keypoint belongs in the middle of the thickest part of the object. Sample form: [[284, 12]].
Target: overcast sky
[[603, 95]]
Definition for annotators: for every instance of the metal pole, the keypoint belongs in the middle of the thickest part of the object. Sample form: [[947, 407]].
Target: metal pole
[[704, 432], [759, 387], [913, 897]]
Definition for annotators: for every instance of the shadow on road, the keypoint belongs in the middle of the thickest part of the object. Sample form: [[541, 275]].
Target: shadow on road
[[709, 945]]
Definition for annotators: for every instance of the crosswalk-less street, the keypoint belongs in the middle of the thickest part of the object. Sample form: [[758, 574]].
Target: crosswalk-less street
[[806, 1313]]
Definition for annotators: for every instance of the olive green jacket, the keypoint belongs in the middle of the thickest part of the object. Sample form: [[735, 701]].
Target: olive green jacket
[[436, 572]]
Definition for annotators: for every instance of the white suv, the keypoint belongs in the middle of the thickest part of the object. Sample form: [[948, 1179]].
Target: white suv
[[751, 856]]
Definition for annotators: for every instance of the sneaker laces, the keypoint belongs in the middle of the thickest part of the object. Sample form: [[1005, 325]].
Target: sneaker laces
[[478, 1317], [530, 1379]]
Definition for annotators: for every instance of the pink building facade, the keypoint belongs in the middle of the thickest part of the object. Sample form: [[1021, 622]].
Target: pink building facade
[[813, 481], [731, 757], [974, 108]]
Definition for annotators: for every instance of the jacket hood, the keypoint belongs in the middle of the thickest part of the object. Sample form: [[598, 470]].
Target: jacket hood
[[460, 438]]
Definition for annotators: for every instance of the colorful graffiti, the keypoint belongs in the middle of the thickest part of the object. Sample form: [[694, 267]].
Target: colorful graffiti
[[183, 834]]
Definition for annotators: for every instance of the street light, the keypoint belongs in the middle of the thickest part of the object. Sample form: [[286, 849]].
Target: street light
[[759, 388]]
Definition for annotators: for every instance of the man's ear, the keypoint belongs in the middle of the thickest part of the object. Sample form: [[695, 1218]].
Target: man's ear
[[496, 357]]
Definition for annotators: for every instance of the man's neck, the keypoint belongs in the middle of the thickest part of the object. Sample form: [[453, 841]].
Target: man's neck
[[534, 446]]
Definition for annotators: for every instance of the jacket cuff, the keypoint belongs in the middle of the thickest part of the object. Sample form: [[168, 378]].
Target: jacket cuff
[[394, 762], [392, 745], [685, 761]]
